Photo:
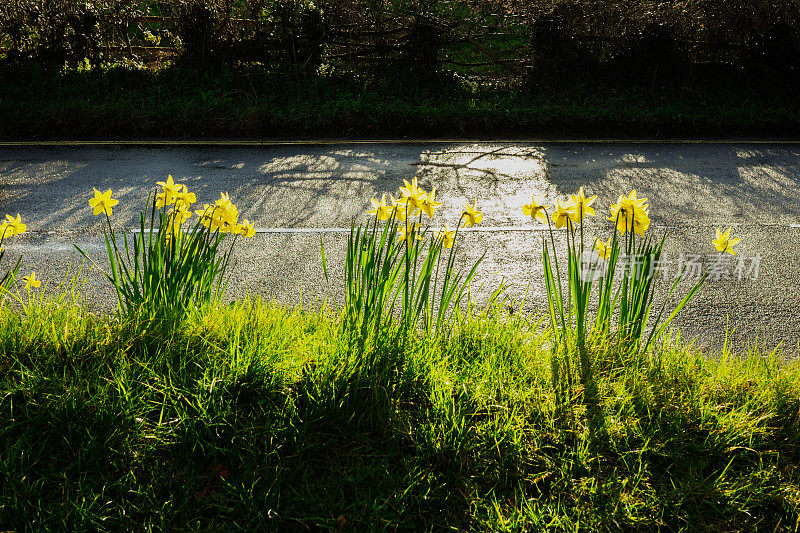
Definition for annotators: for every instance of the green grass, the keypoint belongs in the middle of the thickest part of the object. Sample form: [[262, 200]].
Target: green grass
[[171, 102], [257, 417]]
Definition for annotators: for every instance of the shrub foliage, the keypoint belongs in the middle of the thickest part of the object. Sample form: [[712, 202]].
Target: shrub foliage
[[540, 43]]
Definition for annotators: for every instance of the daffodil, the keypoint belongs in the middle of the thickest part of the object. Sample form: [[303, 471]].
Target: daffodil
[[429, 203], [184, 199], [380, 209], [13, 226], [399, 209], [563, 214], [222, 216], [471, 215], [447, 236], [247, 229], [634, 201], [583, 206], [603, 248], [412, 196], [102, 202], [161, 200], [627, 209], [536, 210], [171, 190], [206, 216], [224, 200], [225, 213], [31, 282], [724, 243], [179, 216], [641, 222], [175, 218], [407, 232]]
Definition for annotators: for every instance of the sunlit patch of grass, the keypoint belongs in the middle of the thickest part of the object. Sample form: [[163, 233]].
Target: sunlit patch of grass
[[258, 417]]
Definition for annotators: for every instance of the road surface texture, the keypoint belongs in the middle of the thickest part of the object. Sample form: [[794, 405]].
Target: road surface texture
[[294, 190]]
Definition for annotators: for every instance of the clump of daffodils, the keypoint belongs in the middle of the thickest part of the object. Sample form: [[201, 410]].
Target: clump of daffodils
[[630, 215], [414, 202], [392, 264], [573, 211], [177, 200], [175, 262], [629, 300]]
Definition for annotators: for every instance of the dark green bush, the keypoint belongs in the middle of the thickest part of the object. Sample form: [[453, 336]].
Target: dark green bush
[[637, 43]]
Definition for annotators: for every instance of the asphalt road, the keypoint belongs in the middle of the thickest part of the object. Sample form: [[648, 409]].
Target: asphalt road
[[295, 192]]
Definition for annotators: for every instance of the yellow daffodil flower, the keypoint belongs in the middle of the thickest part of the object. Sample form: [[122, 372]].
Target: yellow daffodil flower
[[412, 196], [184, 199], [627, 209], [640, 222], [205, 215], [447, 236], [563, 214], [399, 209], [413, 232], [724, 243], [536, 210], [222, 217], [13, 226], [247, 229], [175, 218], [226, 213], [429, 203], [179, 216], [621, 217], [171, 190], [583, 206], [603, 248], [102, 202], [161, 200], [471, 215], [632, 201], [169, 185], [31, 282], [380, 209], [224, 200]]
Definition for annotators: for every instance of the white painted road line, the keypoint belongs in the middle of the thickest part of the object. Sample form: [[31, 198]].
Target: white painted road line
[[475, 229]]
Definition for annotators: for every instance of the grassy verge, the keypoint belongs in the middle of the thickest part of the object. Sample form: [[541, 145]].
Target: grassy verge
[[243, 103], [258, 417]]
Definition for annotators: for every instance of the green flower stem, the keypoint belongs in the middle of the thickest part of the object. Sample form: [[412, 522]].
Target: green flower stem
[[558, 277]]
